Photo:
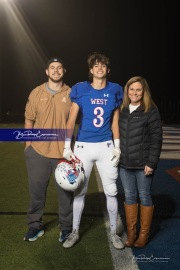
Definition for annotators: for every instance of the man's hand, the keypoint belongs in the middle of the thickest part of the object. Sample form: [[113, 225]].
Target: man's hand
[[68, 153], [116, 153], [115, 156]]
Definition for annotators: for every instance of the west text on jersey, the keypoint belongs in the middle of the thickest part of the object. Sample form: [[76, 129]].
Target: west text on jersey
[[99, 101]]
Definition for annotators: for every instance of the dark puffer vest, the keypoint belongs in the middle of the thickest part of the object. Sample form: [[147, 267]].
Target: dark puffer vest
[[141, 138]]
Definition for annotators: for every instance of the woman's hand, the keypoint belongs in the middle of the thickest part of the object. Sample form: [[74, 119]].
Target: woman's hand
[[148, 170]]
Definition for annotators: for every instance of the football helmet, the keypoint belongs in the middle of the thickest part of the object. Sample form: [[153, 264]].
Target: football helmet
[[69, 174]]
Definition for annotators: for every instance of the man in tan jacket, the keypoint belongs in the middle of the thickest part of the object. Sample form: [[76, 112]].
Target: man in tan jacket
[[47, 107]]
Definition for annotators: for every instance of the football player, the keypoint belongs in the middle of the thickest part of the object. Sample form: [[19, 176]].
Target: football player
[[97, 140]]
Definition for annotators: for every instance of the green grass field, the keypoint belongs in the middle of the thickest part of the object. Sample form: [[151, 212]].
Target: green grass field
[[92, 252]]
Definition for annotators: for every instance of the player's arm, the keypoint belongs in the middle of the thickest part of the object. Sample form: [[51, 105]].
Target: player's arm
[[29, 124], [115, 124], [115, 156], [68, 154], [72, 120]]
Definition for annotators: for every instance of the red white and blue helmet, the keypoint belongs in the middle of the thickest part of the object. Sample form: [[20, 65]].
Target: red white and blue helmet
[[69, 174]]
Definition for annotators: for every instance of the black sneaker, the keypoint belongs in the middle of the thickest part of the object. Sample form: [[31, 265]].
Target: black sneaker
[[64, 235], [33, 234]]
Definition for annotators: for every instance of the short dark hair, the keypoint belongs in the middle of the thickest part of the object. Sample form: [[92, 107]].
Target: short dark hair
[[97, 57]]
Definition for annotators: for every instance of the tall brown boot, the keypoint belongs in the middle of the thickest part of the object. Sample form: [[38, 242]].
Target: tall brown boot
[[131, 221], [146, 213]]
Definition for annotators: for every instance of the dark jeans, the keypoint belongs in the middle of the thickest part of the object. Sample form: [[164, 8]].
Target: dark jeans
[[136, 183], [39, 170]]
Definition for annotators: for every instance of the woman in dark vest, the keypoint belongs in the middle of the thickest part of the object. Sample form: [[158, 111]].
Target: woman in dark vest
[[141, 141]]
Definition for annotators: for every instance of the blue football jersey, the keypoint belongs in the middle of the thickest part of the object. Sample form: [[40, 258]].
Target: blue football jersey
[[97, 108]]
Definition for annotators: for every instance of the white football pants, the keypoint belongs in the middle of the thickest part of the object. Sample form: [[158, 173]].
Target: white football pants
[[98, 153]]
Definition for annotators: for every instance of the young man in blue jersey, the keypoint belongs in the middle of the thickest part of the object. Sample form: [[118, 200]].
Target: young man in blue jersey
[[97, 139]]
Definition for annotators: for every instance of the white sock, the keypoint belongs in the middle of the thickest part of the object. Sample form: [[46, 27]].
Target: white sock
[[78, 206], [112, 207]]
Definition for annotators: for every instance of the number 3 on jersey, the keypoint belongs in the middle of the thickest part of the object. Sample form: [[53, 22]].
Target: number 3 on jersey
[[99, 120]]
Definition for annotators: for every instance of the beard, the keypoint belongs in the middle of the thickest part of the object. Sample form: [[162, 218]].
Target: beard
[[55, 80]]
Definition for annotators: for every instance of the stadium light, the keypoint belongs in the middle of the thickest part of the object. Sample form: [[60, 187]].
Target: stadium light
[[26, 47]]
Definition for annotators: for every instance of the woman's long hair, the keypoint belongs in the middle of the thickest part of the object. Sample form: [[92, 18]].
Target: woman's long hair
[[146, 100]]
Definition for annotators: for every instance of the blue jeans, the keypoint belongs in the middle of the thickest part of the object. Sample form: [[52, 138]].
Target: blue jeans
[[136, 183]]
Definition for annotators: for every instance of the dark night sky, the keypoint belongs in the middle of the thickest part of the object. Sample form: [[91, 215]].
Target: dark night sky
[[139, 36]]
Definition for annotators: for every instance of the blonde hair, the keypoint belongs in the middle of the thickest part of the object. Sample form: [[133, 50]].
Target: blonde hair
[[146, 101]]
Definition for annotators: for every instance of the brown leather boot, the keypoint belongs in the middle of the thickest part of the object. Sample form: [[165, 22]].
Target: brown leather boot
[[146, 213], [131, 220]]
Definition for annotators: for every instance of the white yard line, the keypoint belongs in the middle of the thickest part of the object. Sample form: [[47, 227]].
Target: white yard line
[[122, 259]]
